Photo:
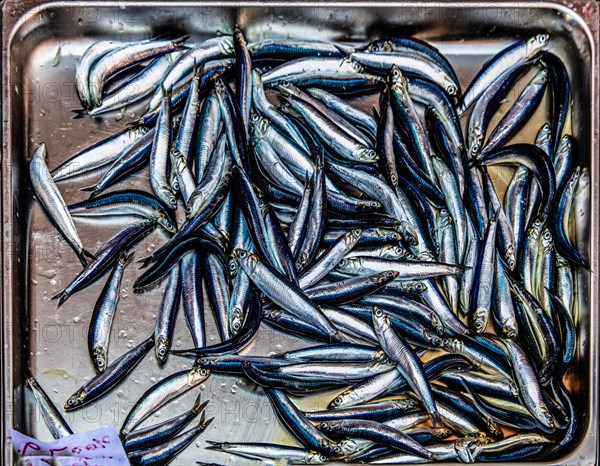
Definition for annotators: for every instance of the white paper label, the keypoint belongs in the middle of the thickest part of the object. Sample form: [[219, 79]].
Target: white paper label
[[100, 447]]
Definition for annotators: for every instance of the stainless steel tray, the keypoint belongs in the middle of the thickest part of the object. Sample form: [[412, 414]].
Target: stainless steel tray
[[37, 94]]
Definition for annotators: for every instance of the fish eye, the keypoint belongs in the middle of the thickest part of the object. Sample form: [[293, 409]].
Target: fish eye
[[379, 312], [451, 89], [543, 38], [324, 425], [203, 372], [356, 233]]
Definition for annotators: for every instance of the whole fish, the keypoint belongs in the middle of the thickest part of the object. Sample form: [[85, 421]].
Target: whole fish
[[103, 315], [53, 419], [161, 393], [112, 375], [53, 202], [106, 256], [121, 58]]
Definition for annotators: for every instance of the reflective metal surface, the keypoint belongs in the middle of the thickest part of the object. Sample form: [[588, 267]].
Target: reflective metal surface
[[38, 92]]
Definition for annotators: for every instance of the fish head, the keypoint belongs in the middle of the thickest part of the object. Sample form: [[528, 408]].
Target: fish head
[[475, 141], [547, 241], [343, 399], [76, 400], [288, 89], [385, 277], [544, 135], [314, 457], [510, 257], [166, 224], [380, 46], [330, 426], [564, 146], [479, 319], [327, 444], [543, 415], [436, 323], [197, 375], [100, 357], [397, 81], [162, 345], [365, 154], [540, 78], [535, 44], [349, 265], [233, 268], [348, 446], [394, 237], [467, 449], [510, 328], [352, 237], [347, 65], [450, 86], [195, 202], [368, 205], [236, 318], [405, 403], [246, 259], [259, 125], [227, 45], [432, 339]]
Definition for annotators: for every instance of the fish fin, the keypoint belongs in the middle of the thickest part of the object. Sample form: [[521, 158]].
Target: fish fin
[[345, 50], [201, 406], [145, 261], [436, 420], [89, 189], [82, 258], [206, 423], [376, 113], [61, 296], [88, 254]]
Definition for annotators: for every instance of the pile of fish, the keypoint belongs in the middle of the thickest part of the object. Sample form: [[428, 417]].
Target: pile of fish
[[437, 306]]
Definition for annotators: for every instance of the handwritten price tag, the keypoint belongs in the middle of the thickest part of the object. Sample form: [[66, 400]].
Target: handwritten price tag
[[100, 447]]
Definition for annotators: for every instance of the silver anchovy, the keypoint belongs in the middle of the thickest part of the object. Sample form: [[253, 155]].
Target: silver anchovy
[[104, 312], [164, 391], [53, 203]]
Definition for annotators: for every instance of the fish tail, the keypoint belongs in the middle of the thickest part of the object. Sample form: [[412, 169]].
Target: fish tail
[[436, 420], [345, 50], [125, 257], [198, 405], [90, 189], [62, 297], [87, 254], [78, 113], [214, 445], [145, 261]]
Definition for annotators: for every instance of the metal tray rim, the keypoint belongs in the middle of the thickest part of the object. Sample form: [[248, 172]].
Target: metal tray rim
[[588, 444]]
